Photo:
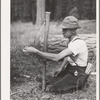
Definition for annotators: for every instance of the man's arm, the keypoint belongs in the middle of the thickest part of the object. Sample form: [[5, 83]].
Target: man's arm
[[50, 56], [62, 67], [65, 61]]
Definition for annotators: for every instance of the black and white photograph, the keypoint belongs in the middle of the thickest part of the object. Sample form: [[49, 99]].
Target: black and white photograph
[[52, 50]]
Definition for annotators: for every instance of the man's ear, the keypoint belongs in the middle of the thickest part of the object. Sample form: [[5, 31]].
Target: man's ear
[[74, 31]]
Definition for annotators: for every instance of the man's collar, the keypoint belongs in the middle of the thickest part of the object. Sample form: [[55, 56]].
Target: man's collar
[[74, 38]]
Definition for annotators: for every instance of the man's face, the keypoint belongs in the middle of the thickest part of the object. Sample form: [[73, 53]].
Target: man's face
[[67, 33]]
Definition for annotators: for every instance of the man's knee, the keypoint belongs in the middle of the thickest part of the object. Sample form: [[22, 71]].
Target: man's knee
[[53, 89]]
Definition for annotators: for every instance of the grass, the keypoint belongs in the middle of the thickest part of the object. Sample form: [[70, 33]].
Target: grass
[[23, 34]]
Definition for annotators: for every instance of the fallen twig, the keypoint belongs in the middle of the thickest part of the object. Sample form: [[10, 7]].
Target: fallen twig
[[15, 93]]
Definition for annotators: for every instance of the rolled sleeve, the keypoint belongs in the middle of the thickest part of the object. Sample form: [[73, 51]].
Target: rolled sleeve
[[76, 47]]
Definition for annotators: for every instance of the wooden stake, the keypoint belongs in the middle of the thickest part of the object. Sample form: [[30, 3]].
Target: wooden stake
[[45, 48]]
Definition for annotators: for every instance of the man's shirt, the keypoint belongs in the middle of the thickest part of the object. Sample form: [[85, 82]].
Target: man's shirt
[[80, 52]]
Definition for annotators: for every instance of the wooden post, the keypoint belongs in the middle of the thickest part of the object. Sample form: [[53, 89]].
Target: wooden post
[[45, 48], [47, 31]]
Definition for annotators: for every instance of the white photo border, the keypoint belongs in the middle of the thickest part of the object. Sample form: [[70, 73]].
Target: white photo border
[[5, 49]]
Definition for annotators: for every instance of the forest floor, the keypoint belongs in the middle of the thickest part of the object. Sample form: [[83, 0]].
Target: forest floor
[[24, 68]]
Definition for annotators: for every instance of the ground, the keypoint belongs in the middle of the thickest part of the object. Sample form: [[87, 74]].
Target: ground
[[24, 68]]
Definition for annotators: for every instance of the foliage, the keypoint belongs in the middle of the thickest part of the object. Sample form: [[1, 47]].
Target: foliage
[[25, 10]]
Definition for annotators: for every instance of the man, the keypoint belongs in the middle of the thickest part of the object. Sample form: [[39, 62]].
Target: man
[[75, 56]]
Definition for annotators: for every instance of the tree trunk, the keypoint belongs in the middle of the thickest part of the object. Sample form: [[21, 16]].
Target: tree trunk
[[33, 11], [40, 12]]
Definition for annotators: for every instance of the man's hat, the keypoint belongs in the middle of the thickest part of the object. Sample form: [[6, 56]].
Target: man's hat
[[70, 22]]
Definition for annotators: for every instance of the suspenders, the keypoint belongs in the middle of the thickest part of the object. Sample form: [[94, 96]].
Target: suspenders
[[76, 39]]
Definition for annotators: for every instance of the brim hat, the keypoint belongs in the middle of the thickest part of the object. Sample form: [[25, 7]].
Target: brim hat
[[70, 22]]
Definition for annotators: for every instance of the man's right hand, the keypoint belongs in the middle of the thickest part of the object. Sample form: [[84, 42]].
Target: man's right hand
[[30, 49], [57, 72]]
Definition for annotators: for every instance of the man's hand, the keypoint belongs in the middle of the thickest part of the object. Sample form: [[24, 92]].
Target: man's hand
[[57, 72], [30, 49]]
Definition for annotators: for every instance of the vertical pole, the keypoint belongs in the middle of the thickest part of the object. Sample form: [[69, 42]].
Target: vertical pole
[[47, 31], [45, 48]]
